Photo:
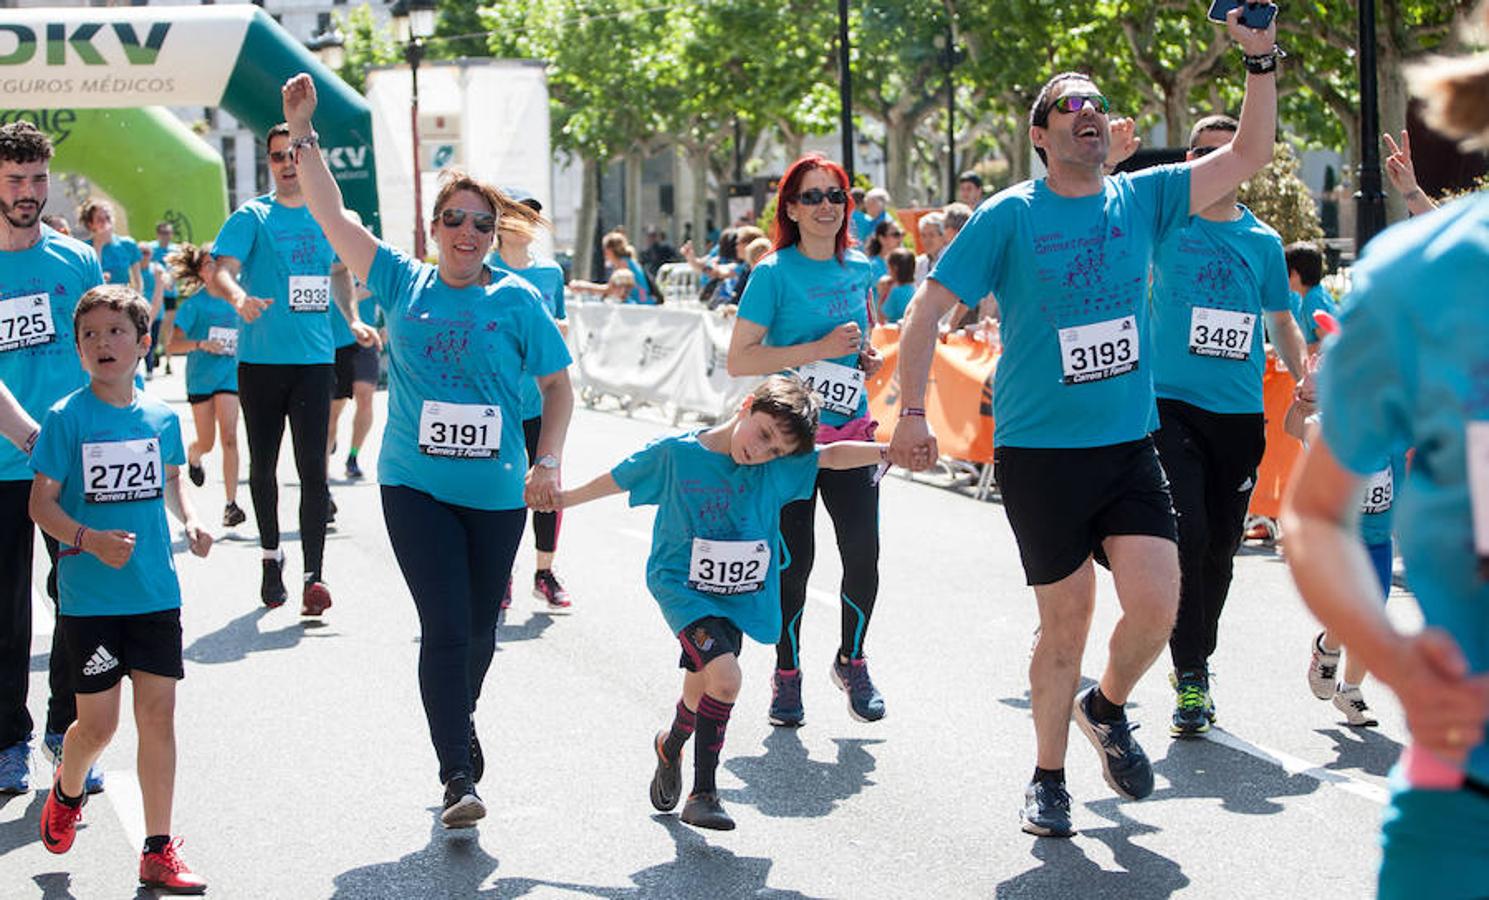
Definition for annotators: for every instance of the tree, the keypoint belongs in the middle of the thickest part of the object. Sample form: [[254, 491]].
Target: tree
[[1277, 196], [366, 45]]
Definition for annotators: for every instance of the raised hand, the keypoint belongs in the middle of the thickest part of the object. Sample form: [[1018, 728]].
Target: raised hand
[[299, 99]]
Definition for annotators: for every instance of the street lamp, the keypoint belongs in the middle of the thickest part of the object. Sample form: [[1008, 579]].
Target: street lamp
[[330, 48], [1370, 199], [413, 21], [945, 45], [845, 87]]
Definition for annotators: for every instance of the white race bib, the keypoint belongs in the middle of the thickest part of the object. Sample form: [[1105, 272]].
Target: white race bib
[[1380, 492], [310, 293], [840, 386], [122, 471], [728, 567], [227, 337], [460, 430], [1478, 489], [1100, 350], [1221, 333], [26, 321]]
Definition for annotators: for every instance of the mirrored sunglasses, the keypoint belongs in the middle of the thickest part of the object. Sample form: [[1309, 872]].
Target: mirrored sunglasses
[[485, 222]]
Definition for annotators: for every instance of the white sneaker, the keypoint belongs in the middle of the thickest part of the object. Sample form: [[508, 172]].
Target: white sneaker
[[1352, 703], [1323, 671]]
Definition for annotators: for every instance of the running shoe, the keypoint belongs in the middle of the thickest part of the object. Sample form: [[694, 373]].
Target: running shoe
[[463, 807], [703, 810], [507, 597], [168, 873], [51, 748], [1192, 708], [59, 822], [330, 508], [477, 758], [1323, 669], [316, 599], [1352, 703], [785, 699], [666, 782], [353, 471], [546, 587], [15, 771], [196, 473], [232, 515], [865, 703], [1124, 765], [1046, 811], [271, 589]]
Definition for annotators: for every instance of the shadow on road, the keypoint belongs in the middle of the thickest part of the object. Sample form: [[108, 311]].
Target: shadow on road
[[242, 636], [786, 783], [1066, 872], [1362, 749], [453, 864], [1241, 782], [18, 833], [531, 630]]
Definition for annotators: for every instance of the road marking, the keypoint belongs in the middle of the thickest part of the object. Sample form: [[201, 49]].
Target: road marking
[[823, 597], [123, 794], [1293, 765]]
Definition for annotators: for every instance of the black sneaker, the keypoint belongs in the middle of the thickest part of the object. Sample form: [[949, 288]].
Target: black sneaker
[[477, 758], [1192, 709], [271, 590], [353, 470], [703, 810], [196, 473], [1123, 763], [1046, 809], [330, 509], [463, 807], [666, 782], [233, 515]]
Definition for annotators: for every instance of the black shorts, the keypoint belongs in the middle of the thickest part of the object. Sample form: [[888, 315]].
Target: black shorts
[[354, 364], [707, 639], [103, 648], [1063, 503], [169, 303], [194, 399]]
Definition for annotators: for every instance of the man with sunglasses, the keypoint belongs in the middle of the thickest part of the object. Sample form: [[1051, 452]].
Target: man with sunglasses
[[1067, 256], [276, 267]]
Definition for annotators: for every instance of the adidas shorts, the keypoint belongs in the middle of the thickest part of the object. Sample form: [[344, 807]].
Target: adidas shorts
[[706, 639], [101, 649]]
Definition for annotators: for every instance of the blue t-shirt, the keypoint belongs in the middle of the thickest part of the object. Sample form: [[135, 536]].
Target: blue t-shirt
[[159, 253], [83, 447], [208, 373], [39, 362], [898, 301], [116, 257], [548, 277], [863, 226], [1316, 300], [341, 332], [1211, 283], [703, 494], [453, 354], [878, 268], [1407, 373], [1377, 513], [1071, 278], [275, 244], [641, 291], [798, 300]]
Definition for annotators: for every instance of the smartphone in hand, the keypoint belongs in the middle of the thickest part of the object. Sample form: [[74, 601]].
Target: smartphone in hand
[[1256, 15]]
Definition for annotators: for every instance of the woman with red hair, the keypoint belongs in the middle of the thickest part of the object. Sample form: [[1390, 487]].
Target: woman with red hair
[[806, 308]]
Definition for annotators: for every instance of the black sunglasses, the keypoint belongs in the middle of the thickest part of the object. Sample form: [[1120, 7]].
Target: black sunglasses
[[813, 197], [485, 222], [280, 156]]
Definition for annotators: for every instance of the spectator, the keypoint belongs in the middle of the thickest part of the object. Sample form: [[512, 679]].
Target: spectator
[[887, 236], [930, 240], [954, 218], [866, 218], [969, 189], [658, 252]]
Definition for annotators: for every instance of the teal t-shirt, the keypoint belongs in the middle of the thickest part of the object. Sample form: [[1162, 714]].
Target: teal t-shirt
[[208, 373], [1071, 278], [159, 253], [116, 257], [39, 291], [1316, 300], [282, 248], [798, 300], [341, 332], [1212, 282], [702, 495], [863, 226], [898, 301], [1406, 373], [457, 358], [641, 292], [111, 464], [548, 277]]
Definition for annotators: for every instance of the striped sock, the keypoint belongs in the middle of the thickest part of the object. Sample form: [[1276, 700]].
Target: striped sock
[[683, 723], [713, 719]]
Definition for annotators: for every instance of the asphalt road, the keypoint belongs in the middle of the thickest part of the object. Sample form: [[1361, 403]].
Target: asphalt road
[[305, 768]]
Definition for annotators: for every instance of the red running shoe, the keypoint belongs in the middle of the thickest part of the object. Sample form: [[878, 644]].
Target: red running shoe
[[507, 597], [59, 822], [168, 873], [316, 599]]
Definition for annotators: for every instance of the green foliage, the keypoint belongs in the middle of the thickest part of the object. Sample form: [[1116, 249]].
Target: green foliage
[[366, 45], [1278, 197], [767, 220]]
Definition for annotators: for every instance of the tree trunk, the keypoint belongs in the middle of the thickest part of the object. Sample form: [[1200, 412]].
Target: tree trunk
[[791, 142], [698, 165], [899, 137], [1176, 116], [1394, 98], [635, 163], [1023, 149], [589, 210]]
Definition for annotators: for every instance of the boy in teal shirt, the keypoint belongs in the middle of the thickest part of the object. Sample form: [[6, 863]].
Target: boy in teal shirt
[[107, 467], [714, 567]]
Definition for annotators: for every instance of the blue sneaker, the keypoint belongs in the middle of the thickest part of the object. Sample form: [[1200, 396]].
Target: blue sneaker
[[51, 748], [15, 774], [1123, 763], [865, 703], [1046, 811], [785, 698]]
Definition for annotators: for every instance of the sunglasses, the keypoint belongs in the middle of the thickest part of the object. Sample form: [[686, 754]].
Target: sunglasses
[[281, 156], [813, 197], [485, 222], [1198, 152], [1076, 102], [894, 234]]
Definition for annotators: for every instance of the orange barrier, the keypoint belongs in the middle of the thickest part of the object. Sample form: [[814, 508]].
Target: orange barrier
[[1282, 448], [959, 395]]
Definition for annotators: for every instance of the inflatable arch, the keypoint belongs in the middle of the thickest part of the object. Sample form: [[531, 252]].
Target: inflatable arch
[[235, 57]]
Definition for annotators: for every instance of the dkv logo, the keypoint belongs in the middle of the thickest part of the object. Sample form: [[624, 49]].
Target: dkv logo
[[347, 162], [80, 39]]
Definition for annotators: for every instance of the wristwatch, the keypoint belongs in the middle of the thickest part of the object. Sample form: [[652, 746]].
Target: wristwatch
[[546, 461]]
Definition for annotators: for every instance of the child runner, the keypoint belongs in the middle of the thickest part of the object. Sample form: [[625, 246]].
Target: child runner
[[714, 564], [107, 469], [897, 287], [206, 329]]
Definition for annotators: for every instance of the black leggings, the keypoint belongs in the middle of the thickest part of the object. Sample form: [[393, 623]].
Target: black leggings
[[17, 543], [545, 524], [457, 562], [269, 395], [852, 500], [1211, 462]]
